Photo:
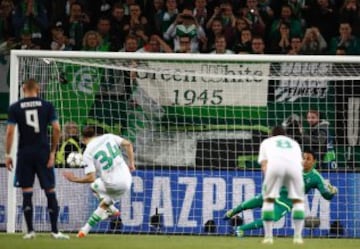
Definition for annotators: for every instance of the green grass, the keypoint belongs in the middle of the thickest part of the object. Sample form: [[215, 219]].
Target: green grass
[[120, 241]]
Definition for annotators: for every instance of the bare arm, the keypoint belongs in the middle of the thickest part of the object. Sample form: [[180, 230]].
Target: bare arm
[[9, 139], [216, 13], [165, 47], [263, 166], [127, 145], [54, 142], [88, 178]]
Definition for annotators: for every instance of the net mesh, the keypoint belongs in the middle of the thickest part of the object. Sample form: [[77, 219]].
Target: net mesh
[[196, 126]]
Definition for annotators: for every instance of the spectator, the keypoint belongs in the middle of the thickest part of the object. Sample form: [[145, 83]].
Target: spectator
[[76, 25], [313, 42], [70, 143], [345, 39], [295, 45], [103, 28], [293, 127], [225, 12], [137, 22], [318, 139], [286, 16], [127, 4], [350, 12], [252, 14], [220, 46], [297, 7], [30, 17], [154, 13], [184, 45], [26, 42], [98, 9], [266, 10], [6, 29], [322, 15], [118, 21], [257, 45], [185, 25], [59, 40], [57, 10], [215, 30], [156, 45], [241, 23], [282, 45], [244, 44], [131, 44], [169, 16], [92, 41], [340, 50], [200, 12], [140, 33], [67, 6]]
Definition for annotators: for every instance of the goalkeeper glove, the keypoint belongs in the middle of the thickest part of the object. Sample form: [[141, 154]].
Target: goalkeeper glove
[[332, 189]]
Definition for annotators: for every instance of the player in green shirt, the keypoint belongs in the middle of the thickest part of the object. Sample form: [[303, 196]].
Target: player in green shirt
[[283, 205]]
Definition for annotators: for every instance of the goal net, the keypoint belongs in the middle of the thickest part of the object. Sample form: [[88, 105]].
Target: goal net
[[196, 122]]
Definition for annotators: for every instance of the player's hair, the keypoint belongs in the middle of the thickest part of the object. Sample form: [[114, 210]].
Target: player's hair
[[92, 131], [278, 130], [88, 131], [309, 151], [31, 84]]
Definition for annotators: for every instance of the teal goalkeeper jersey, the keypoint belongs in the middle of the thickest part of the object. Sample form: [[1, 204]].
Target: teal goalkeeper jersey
[[312, 180]]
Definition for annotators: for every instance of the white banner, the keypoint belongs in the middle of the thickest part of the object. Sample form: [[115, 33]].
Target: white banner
[[294, 86], [206, 84]]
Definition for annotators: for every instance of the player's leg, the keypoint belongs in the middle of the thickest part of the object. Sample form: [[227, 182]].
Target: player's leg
[[53, 210], [255, 202], [101, 211], [298, 216], [27, 207], [295, 186], [280, 209], [112, 210], [122, 185], [118, 188], [46, 178], [271, 188], [249, 226], [24, 178]]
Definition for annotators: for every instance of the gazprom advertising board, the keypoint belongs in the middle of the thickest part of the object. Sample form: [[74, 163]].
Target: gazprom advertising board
[[184, 200]]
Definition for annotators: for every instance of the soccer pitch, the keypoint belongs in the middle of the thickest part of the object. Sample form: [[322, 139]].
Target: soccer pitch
[[43, 241]]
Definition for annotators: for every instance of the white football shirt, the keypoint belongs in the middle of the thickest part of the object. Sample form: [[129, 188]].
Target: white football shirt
[[280, 150], [103, 156]]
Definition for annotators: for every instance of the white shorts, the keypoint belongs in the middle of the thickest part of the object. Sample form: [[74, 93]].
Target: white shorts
[[111, 192], [289, 176]]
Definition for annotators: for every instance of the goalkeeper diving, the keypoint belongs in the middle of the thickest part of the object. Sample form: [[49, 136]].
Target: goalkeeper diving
[[283, 205]]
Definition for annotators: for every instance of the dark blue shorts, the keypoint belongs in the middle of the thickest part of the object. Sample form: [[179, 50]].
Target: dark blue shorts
[[31, 163]]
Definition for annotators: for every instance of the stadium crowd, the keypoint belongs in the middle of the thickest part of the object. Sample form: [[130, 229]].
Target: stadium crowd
[[184, 26]]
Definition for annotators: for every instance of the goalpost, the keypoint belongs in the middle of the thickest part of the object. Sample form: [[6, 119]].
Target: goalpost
[[196, 121]]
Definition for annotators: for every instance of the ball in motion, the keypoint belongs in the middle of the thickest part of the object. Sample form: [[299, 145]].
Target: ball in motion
[[74, 159]]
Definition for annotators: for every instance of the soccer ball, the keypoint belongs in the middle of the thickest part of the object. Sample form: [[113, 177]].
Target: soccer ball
[[74, 159]]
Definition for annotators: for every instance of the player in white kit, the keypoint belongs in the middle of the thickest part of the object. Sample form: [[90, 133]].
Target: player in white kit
[[103, 159], [281, 161]]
